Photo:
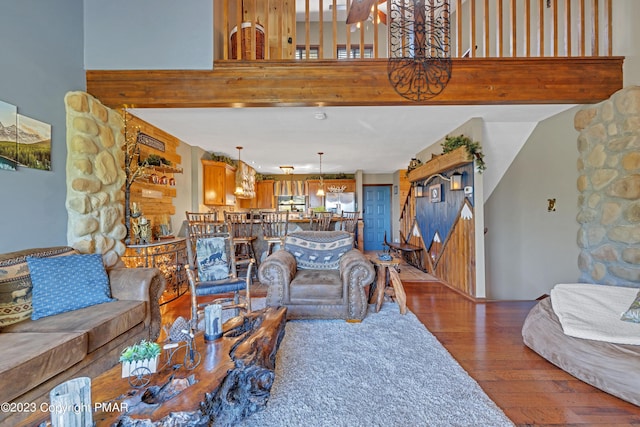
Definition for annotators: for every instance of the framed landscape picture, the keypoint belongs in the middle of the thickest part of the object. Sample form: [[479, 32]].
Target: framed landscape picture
[[8, 136], [34, 143]]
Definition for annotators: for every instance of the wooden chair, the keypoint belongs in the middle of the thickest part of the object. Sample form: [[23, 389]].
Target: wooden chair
[[212, 270], [241, 229], [202, 216], [349, 223], [275, 226], [320, 221], [208, 218]]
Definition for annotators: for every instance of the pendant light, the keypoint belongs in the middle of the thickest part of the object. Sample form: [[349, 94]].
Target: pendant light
[[320, 192], [239, 187]]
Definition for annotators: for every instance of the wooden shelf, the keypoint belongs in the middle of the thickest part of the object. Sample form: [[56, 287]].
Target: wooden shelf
[[164, 169], [441, 163]]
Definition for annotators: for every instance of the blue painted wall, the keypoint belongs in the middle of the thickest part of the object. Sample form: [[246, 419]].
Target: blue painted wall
[[148, 34], [41, 43], [440, 217]]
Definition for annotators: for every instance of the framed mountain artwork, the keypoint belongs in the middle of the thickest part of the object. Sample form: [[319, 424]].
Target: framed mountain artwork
[[34, 143], [8, 136]]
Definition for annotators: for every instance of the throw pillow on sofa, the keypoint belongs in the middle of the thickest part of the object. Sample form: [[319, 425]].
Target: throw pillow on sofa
[[633, 313], [67, 283]]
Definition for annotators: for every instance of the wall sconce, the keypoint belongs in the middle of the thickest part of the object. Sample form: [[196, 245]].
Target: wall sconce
[[455, 181], [419, 191]]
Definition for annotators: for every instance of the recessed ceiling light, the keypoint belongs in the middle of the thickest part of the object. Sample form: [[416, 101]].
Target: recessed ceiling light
[[320, 115]]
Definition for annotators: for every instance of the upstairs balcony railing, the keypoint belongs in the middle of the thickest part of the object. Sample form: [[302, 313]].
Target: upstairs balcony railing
[[296, 30]]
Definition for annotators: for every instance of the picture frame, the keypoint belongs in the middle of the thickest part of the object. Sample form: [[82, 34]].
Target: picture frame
[[435, 193]]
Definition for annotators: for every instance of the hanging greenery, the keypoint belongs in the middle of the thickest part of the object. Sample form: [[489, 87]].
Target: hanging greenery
[[220, 157], [474, 149]]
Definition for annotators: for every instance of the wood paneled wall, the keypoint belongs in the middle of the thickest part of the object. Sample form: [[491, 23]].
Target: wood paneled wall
[[155, 200]]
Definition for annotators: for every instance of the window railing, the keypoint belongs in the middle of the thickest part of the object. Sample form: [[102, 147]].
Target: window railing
[[288, 29]]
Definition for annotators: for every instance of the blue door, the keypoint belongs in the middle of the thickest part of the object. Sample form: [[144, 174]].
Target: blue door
[[376, 216]]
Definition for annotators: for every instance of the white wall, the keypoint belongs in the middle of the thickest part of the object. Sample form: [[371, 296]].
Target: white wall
[[626, 38], [528, 250], [148, 34]]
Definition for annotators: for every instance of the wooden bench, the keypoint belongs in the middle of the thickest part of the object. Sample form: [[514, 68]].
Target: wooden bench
[[408, 252]]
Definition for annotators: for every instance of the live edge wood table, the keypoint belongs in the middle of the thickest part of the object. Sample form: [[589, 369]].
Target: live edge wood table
[[388, 283], [233, 378]]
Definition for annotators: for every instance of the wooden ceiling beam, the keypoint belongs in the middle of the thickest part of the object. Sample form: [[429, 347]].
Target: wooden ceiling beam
[[476, 81]]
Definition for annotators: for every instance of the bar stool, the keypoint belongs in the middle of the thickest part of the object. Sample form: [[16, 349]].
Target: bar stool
[[349, 224], [240, 226], [320, 221], [275, 226], [210, 219]]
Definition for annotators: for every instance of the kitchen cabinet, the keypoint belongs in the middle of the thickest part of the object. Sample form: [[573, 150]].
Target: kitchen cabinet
[[265, 194], [264, 197], [313, 185], [218, 183]]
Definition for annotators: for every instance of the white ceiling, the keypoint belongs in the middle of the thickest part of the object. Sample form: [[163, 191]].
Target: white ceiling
[[372, 139]]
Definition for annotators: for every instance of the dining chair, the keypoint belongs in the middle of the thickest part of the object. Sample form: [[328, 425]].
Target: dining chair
[[212, 270], [320, 221], [275, 226]]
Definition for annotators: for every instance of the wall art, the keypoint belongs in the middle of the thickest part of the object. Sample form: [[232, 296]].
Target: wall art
[[34, 143], [8, 136]]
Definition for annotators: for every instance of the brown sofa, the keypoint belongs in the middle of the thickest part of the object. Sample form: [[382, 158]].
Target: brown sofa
[[318, 275], [37, 355]]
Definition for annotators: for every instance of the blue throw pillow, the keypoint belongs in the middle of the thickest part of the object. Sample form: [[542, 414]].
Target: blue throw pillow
[[67, 283]]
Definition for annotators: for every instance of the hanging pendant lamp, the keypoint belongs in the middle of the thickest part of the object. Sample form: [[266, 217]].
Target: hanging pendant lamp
[[320, 192], [239, 186]]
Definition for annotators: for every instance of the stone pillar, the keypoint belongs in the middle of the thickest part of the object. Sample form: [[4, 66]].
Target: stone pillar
[[95, 178], [609, 185]]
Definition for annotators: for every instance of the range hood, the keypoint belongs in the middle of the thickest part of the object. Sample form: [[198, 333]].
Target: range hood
[[289, 188]]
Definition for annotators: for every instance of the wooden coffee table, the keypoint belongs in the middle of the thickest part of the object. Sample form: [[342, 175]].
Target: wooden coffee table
[[252, 339], [220, 388]]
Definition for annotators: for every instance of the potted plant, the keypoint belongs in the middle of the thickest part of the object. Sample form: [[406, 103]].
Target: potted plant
[[473, 149], [143, 354]]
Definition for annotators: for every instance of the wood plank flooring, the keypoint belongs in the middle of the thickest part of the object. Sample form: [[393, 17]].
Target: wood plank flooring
[[485, 338]]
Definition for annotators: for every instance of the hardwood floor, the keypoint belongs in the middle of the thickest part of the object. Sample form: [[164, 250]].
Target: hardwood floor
[[485, 338]]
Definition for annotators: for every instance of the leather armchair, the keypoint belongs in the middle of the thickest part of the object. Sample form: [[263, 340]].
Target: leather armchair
[[318, 275]]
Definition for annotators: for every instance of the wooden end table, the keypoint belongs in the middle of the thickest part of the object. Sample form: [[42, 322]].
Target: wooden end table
[[388, 283]]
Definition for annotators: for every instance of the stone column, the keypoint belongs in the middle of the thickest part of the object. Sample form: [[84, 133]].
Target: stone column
[[609, 185], [95, 178]]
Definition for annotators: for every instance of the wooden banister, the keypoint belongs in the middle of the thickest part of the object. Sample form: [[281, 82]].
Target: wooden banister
[[507, 28]]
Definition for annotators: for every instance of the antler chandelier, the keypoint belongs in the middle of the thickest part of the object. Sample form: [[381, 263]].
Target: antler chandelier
[[419, 65]]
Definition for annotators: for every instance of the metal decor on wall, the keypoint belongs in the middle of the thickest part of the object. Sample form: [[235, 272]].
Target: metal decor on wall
[[419, 66]]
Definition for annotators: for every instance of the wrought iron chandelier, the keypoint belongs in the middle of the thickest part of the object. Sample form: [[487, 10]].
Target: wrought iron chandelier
[[419, 66]]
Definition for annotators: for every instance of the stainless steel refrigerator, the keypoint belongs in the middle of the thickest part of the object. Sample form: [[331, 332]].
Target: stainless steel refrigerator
[[340, 202]]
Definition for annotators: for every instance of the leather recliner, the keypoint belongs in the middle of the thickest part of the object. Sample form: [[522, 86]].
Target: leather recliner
[[318, 275]]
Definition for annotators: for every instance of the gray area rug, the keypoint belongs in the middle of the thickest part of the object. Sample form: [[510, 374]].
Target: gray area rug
[[388, 370]]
